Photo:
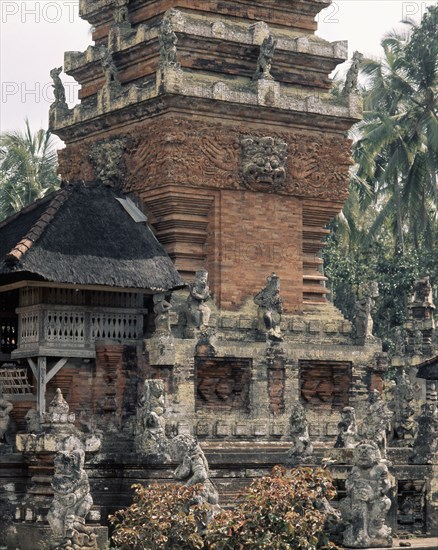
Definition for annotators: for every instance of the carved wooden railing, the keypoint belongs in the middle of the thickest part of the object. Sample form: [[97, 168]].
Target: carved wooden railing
[[58, 327]]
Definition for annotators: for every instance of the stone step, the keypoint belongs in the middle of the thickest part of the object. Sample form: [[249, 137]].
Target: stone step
[[416, 544]]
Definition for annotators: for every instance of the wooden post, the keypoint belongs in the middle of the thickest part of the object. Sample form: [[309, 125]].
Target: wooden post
[[41, 384]]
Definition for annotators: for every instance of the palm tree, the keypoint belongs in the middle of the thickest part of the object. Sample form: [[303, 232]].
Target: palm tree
[[28, 168], [398, 138]]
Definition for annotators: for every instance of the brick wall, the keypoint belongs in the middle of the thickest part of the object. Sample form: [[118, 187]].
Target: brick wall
[[255, 234]]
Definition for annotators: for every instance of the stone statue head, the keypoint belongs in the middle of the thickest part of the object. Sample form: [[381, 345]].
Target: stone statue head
[[69, 464], [374, 396], [183, 445], [224, 388], [371, 290], [55, 72], [157, 298], [357, 57], [367, 454], [273, 283], [201, 277], [348, 414]]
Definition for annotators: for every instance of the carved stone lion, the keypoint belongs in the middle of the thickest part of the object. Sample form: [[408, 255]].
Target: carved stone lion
[[263, 163]]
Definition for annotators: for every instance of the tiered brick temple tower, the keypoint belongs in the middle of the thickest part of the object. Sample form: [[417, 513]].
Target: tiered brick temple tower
[[239, 156], [191, 114], [217, 118]]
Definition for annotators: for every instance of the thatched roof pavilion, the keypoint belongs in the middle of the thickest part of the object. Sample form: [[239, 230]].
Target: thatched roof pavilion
[[85, 235]]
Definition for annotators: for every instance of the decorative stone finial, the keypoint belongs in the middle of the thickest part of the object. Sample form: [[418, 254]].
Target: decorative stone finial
[[350, 86], [270, 308], [365, 509], [58, 411], [425, 450], [121, 12], [264, 62], [109, 68], [58, 88]]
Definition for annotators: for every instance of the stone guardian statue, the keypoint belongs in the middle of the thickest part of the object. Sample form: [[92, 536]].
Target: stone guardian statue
[[198, 312], [193, 470], [150, 429], [5, 410], [161, 310], [378, 421], [366, 506], [365, 309], [71, 502], [347, 436], [58, 88], [264, 62], [168, 41], [350, 86], [301, 448], [270, 308]]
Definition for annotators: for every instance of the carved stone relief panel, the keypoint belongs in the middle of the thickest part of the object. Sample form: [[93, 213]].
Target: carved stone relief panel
[[325, 384], [222, 384]]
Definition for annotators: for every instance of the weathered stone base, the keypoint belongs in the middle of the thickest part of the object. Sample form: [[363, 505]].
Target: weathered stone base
[[417, 544], [24, 536]]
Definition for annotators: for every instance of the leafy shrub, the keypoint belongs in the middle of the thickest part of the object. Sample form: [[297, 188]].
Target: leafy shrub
[[287, 510], [160, 518]]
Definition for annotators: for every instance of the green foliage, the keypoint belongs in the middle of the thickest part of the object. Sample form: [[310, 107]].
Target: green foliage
[[388, 229], [160, 518], [287, 510], [278, 512], [28, 169]]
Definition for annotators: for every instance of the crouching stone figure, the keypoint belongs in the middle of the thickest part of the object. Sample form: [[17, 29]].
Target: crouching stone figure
[[193, 468]]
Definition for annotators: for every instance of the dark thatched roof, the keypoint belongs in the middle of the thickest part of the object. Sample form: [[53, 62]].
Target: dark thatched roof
[[428, 369], [83, 235]]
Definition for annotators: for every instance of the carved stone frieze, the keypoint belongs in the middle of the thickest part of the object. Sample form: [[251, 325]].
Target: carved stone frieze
[[209, 156]]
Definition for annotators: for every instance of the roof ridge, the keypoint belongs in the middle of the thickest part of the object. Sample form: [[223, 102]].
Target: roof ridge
[[28, 208], [38, 227]]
